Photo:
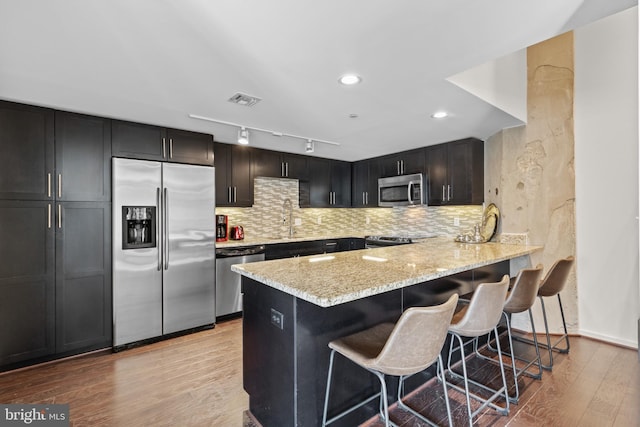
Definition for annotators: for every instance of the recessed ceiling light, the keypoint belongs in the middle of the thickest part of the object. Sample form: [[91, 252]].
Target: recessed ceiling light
[[350, 79], [353, 116], [439, 114]]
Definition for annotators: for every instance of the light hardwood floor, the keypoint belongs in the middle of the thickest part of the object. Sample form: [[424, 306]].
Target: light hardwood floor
[[196, 380]]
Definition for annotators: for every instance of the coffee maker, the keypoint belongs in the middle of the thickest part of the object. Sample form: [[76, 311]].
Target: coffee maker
[[222, 234]]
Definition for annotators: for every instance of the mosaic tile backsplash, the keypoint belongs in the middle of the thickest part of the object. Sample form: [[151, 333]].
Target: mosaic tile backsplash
[[269, 218]]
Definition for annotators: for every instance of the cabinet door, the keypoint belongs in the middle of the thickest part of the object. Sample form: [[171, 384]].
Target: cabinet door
[[26, 163], [267, 163], [138, 141], [190, 147], [241, 179], [466, 172], [26, 280], [319, 183], [341, 183], [83, 158], [437, 165], [360, 184], [296, 166], [223, 173], [83, 276]]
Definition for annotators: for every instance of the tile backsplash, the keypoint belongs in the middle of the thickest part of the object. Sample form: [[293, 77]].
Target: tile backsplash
[[268, 218]]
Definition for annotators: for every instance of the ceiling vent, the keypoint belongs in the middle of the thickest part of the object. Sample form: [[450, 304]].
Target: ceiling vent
[[244, 99]]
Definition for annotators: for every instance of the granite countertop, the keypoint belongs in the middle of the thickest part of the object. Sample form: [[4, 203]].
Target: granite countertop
[[336, 278], [251, 241]]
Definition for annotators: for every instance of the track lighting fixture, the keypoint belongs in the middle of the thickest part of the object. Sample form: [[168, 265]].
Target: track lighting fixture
[[309, 146], [243, 133], [243, 136]]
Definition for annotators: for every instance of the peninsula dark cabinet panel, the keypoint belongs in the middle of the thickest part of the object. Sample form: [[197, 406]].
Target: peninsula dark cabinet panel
[[147, 142], [456, 173], [83, 153], [329, 183], [234, 181], [404, 163], [27, 274], [365, 175], [83, 276], [27, 160]]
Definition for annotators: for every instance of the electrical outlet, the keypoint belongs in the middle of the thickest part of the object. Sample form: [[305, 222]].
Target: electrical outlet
[[297, 221], [319, 220], [456, 222], [277, 318], [367, 220]]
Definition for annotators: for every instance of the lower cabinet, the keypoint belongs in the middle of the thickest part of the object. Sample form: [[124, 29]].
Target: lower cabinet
[[27, 275], [55, 280], [311, 247], [83, 277]]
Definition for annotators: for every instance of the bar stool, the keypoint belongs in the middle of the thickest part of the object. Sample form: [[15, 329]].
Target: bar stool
[[411, 345], [476, 318], [551, 285], [520, 298]]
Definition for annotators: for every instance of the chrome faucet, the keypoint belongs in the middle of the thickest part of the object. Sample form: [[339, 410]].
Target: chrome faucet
[[287, 207]]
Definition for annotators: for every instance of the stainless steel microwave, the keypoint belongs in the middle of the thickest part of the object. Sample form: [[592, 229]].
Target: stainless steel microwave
[[403, 190]]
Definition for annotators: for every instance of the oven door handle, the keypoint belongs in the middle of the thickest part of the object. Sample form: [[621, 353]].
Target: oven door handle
[[409, 192]]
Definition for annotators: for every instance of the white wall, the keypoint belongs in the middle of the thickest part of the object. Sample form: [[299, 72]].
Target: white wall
[[606, 167]]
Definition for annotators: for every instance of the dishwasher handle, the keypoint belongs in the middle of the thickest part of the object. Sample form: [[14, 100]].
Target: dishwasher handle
[[241, 251]]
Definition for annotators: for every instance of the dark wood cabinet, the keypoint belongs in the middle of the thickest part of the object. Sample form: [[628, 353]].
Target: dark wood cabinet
[[404, 163], [276, 164], [329, 183], [83, 152], [365, 174], [456, 173], [234, 180], [54, 224], [83, 276], [147, 142], [312, 247], [27, 160], [27, 274]]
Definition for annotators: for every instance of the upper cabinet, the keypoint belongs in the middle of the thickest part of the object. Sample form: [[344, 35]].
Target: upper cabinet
[[404, 163], [275, 164], [146, 142], [83, 153], [329, 183], [456, 173], [234, 182], [27, 161], [365, 174]]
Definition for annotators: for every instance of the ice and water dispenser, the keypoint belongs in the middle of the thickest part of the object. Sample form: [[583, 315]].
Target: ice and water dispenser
[[138, 227]]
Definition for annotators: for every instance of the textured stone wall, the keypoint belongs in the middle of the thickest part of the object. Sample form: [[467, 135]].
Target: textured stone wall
[[530, 169]]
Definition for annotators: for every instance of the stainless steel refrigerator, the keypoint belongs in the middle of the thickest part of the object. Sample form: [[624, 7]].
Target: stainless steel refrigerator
[[163, 248]]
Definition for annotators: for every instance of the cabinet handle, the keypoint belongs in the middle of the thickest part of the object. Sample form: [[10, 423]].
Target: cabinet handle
[[282, 169], [286, 169], [159, 207], [49, 184], [398, 167], [164, 149], [49, 215], [443, 198], [59, 185], [448, 192], [363, 198], [367, 193], [402, 165], [171, 148], [59, 215], [235, 194], [165, 220]]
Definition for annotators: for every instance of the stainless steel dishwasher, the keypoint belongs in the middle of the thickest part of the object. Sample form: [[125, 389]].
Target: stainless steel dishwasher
[[228, 290]]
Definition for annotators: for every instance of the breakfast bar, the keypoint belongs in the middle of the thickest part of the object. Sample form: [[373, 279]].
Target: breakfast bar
[[294, 307]]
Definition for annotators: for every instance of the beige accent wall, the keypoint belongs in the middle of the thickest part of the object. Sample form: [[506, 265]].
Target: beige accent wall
[[530, 169]]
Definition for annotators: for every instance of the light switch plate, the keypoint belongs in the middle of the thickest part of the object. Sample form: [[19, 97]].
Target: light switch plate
[[277, 318]]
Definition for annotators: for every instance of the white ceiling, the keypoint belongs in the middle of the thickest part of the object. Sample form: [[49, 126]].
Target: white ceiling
[[157, 61]]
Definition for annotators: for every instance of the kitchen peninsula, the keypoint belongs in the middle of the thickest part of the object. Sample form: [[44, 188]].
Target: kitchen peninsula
[[294, 307]]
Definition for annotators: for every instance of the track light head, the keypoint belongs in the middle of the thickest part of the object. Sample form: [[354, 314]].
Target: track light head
[[309, 146], [243, 136]]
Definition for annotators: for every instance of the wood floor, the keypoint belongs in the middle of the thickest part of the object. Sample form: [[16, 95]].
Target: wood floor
[[196, 380]]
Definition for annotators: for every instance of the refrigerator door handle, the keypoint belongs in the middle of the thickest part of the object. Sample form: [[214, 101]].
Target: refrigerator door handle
[[159, 207], [165, 238]]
